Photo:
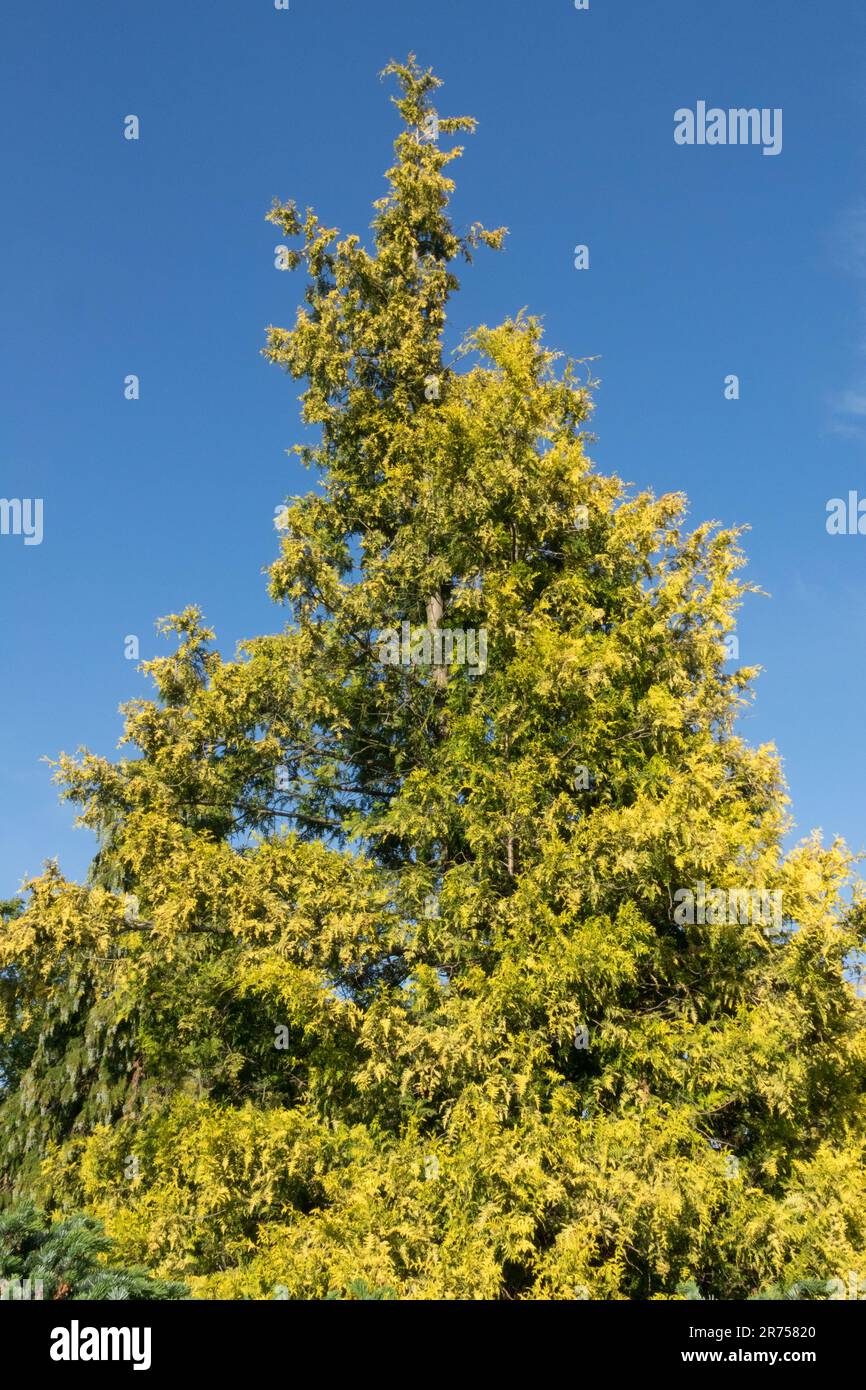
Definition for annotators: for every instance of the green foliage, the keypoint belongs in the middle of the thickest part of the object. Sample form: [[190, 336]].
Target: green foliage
[[359, 1290], [67, 1259], [312, 1021], [803, 1291]]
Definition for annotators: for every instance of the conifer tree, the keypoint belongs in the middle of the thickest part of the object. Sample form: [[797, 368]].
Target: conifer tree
[[390, 976]]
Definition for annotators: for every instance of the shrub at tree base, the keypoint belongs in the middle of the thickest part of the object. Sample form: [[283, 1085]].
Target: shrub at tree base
[[67, 1260]]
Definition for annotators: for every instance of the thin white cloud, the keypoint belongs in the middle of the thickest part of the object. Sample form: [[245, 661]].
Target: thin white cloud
[[848, 407]]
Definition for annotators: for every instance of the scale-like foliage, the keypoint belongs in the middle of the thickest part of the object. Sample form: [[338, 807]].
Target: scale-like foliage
[[382, 981]]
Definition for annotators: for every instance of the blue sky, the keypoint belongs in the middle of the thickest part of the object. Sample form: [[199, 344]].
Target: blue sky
[[153, 257]]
